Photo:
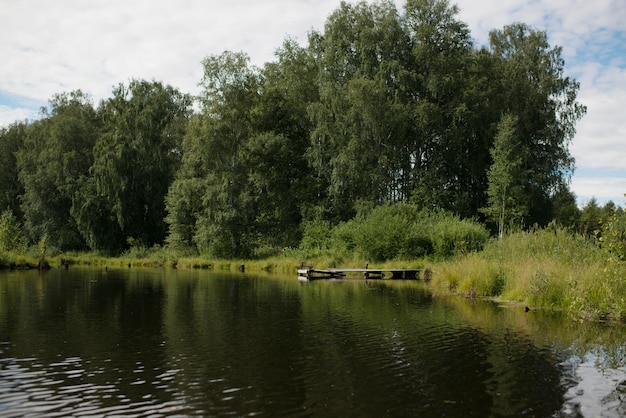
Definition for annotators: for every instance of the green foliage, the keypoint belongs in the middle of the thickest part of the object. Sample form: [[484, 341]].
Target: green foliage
[[613, 238], [42, 248], [214, 167], [316, 236], [11, 141], [397, 231], [135, 161], [453, 236], [507, 204], [535, 91], [551, 267], [11, 238], [363, 117], [564, 208], [57, 150]]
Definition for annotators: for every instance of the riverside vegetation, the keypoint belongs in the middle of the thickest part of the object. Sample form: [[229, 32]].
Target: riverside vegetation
[[553, 267], [390, 136]]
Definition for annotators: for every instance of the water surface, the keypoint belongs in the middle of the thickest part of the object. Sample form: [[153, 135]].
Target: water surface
[[152, 342]]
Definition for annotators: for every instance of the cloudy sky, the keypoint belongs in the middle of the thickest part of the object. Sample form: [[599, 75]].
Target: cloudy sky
[[50, 47]]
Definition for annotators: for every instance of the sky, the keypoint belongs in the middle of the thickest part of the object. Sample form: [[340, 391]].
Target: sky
[[49, 47]]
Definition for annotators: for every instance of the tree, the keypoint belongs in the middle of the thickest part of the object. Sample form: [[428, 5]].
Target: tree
[[57, 151], [534, 89], [280, 181], [11, 238], [11, 141], [136, 158], [564, 208], [507, 204], [363, 119], [444, 154], [212, 160], [591, 218]]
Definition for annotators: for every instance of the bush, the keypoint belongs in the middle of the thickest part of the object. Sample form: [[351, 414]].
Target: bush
[[613, 238], [10, 233], [397, 231], [452, 236], [316, 236], [381, 235]]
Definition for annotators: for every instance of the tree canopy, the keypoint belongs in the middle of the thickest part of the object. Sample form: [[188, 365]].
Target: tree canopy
[[382, 106]]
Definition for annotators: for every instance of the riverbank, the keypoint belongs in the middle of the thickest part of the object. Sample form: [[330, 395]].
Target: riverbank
[[546, 269], [542, 269]]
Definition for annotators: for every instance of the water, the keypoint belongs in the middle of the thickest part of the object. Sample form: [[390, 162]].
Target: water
[[153, 342]]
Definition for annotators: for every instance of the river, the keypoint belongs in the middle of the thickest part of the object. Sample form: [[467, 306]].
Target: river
[[163, 342]]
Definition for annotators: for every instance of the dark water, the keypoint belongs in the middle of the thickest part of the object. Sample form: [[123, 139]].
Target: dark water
[[85, 342]]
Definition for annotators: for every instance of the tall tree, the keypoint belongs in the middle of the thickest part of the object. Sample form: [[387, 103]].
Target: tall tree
[[534, 89], [136, 158], [244, 182], [507, 204], [442, 49], [57, 151], [11, 141], [212, 163], [362, 121], [279, 178]]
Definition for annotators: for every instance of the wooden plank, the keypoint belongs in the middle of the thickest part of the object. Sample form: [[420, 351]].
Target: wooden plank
[[407, 274]]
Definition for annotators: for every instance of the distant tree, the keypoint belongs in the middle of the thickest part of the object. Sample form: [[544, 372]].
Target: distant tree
[[564, 207], [610, 208], [591, 218]]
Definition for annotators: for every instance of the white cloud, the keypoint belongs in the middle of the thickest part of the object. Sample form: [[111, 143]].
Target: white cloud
[[9, 115], [601, 188], [601, 138], [52, 47]]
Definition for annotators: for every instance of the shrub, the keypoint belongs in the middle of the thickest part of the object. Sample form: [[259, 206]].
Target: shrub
[[316, 236], [613, 238], [394, 231], [10, 232]]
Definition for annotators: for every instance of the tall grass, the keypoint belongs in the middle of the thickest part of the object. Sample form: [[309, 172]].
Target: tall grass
[[550, 268]]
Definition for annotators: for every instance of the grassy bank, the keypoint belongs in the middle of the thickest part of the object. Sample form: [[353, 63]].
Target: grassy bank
[[545, 269], [287, 262], [549, 268]]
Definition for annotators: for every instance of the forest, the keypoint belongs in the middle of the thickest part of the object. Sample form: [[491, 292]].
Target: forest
[[383, 111]]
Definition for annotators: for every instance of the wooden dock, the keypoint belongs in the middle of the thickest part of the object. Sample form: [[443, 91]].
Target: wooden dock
[[366, 273]]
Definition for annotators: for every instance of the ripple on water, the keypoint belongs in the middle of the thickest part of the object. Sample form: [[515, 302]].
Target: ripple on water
[[29, 388]]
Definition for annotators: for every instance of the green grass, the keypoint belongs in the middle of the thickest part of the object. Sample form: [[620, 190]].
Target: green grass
[[549, 268]]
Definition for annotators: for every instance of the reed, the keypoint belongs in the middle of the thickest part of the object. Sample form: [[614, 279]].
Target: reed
[[549, 268]]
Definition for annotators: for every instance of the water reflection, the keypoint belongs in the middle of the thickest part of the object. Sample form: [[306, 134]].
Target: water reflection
[[163, 342]]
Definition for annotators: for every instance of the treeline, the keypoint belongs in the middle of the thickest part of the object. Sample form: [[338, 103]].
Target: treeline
[[382, 106]]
